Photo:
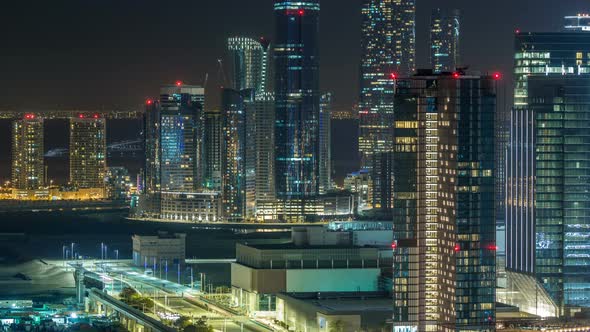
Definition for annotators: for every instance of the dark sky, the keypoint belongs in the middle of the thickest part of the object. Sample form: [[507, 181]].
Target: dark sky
[[115, 53]]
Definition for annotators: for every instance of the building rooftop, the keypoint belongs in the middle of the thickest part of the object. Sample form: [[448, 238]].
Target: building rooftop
[[343, 303], [292, 246]]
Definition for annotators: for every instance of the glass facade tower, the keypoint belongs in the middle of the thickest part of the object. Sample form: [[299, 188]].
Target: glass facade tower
[[444, 203], [445, 28], [234, 156], [547, 179], [249, 61], [325, 143], [297, 99], [388, 52]]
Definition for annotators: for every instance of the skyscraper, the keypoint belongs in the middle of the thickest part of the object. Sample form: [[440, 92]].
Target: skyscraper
[[235, 128], [181, 123], [325, 143], [404, 27], [213, 150], [378, 68], [445, 28], [249, 61], [88, 150], [547, 179], [444, 223], [388, 53], [28, 168], [152, 143], [264, 113], [297, 99], [175, 153]]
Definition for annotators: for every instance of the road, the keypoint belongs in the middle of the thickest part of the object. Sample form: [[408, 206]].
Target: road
[[176, 298]]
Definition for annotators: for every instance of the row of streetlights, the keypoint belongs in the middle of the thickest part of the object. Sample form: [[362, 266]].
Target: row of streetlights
[[69, 253]]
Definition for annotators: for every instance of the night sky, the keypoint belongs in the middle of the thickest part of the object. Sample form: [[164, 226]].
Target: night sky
[[93, 54]]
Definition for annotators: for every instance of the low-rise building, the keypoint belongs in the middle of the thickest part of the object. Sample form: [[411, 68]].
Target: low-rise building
[[322, 312], [162, 249], [263, 271]]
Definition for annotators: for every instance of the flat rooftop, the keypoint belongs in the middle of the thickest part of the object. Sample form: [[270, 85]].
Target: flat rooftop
[[343, 303], [290, 245]]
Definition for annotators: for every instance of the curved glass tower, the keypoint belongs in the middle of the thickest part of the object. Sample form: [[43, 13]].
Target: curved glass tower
[[297, 99]]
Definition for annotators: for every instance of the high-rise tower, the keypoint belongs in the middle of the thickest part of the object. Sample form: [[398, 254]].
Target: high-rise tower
[[88, 151], [444, 203], [28, 169], [547, 210], [296, 54], [445, 28], [388, 53], [249, 61], [325, 143], [181, 134]]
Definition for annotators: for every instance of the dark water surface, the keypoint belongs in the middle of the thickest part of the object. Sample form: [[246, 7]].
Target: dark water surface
[[28, 236]]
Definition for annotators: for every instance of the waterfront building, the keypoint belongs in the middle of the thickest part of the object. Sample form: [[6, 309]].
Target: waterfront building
[[190, 207], [88, 151], [297, 98], [444, 203], [547, 208], [249, 62], [175, 155], [181, 126], [445, 28], [28, 167], [213, 150], [264, 114], [118, 183], [234, 153], [325, 171]]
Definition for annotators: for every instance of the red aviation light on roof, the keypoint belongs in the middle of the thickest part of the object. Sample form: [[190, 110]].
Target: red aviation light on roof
[[393, 76], [29, 116], [457, 248], [456, 75], [178, 83], [149, 102], [96, 116], [517, 31], [497, 76], [301, 12], [492, 247], [81, 116], [394, 245]]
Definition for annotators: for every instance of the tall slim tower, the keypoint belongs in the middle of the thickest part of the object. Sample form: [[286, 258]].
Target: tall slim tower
[[388, 53], [234, 158], [296, 56], [404, 27], [445, 28], [325, 143], [264, 115], [444, 203], [181, 123], [213, 150], [88, 151], [378, 67], [28, 168], [249, 61]]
